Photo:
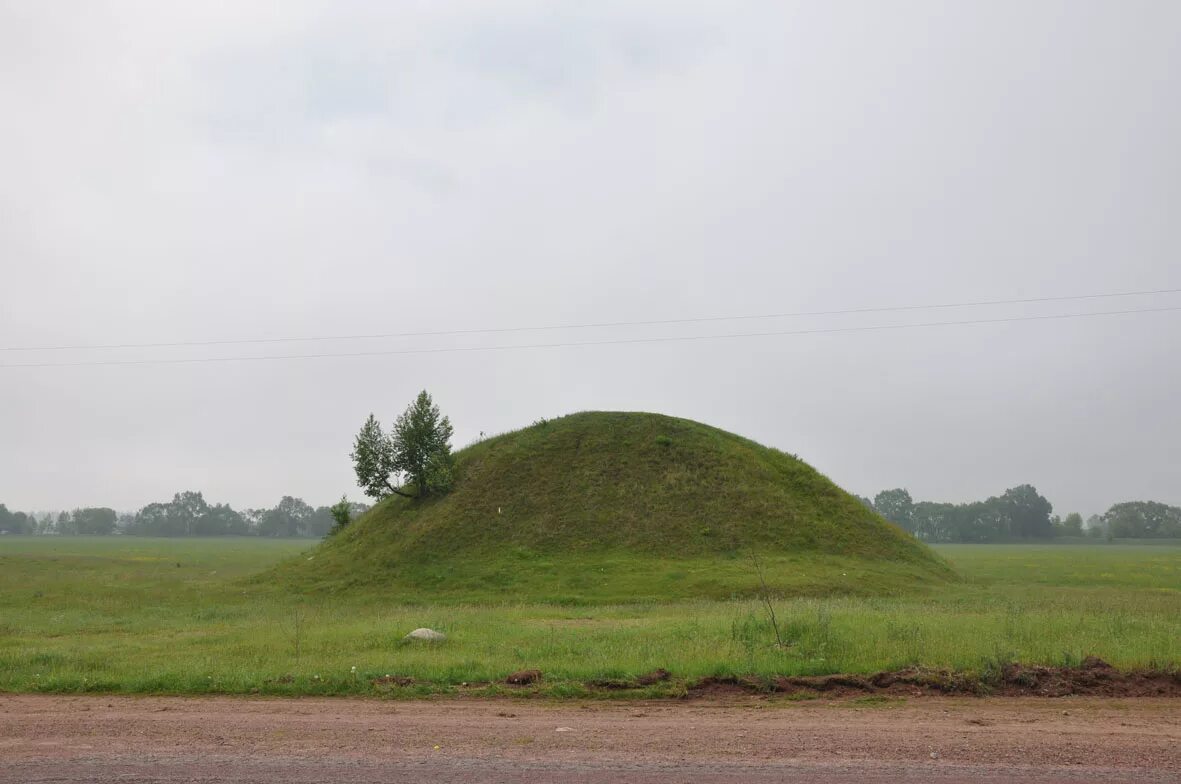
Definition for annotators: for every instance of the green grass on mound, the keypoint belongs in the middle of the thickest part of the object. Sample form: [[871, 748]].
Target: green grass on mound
[[618, 507]]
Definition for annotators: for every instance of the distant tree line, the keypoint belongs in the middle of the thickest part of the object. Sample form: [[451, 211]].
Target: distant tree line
[[188, 514], [1021, 513], [1143, 520]]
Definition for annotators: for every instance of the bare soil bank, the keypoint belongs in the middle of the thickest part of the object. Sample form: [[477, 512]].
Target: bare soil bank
[[945, 739], [1094, 677]]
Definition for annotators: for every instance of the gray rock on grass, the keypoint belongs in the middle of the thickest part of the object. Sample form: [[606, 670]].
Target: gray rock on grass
[[430, 635]]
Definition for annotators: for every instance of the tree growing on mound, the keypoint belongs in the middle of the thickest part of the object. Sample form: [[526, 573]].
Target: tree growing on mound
[[342, 513], [416, 453]]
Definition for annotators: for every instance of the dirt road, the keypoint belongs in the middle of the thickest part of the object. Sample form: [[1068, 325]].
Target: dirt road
[[109, 739]]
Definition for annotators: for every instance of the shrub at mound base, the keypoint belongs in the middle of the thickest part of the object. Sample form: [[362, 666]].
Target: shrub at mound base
[[596, 499]]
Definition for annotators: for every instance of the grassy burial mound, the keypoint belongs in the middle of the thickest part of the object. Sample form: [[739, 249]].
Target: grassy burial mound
[[605, 506]]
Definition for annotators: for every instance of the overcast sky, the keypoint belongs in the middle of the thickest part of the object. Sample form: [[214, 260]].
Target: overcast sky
[[177, 172]]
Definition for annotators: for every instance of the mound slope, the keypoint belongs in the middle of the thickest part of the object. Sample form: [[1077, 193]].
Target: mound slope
[[612, 491]]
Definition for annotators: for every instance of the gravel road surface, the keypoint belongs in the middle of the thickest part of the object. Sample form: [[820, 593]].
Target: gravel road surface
[[292, 741]]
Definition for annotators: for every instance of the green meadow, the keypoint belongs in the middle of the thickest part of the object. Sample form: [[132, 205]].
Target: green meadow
[[191, 616]]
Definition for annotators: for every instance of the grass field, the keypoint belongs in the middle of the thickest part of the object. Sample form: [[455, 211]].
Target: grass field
[[121, 614]]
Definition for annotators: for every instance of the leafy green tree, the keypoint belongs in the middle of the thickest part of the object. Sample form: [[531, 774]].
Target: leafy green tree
[[1072, 524], [422, 446], [126, 522], [185, 512], [373, 460], [979, 521], [933, 521], [416, 453], [1028, 512], [14, 522], [342, 513], [896, 506], [152, 520], [220, 520], [320, 523], [253, 518], [290, 517], [94, 521]]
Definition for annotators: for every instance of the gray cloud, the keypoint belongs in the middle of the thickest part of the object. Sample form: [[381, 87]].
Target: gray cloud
[[241, 170]]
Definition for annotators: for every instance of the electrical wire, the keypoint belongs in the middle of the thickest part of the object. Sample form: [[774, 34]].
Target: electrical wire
[[591, 325], [572, 344]]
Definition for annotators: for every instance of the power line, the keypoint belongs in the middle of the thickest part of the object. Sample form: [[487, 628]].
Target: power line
[[615, 342], [592, 325]]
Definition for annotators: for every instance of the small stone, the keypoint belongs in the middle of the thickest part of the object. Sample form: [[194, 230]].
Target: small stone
[[564, 729], [934, 755], [430, 635]]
